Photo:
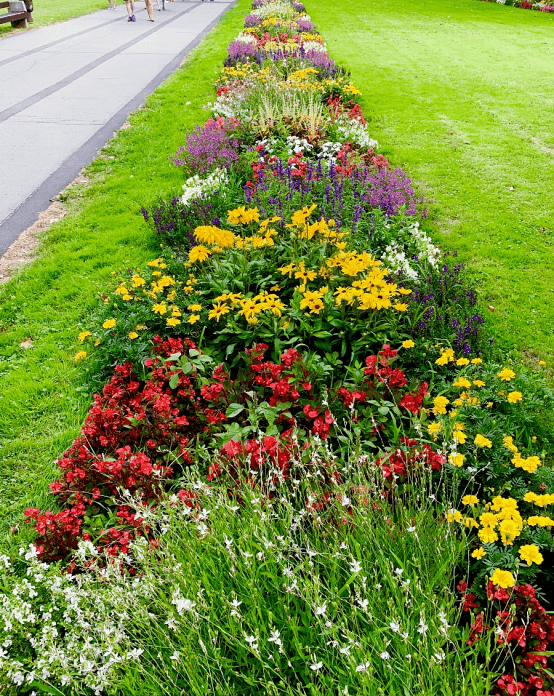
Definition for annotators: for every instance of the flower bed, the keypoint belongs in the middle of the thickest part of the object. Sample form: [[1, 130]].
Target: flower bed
[[300, 325], [526, 5]]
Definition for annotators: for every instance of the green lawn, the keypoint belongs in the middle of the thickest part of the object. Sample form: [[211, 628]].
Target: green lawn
[[460, 93], [51, 11], [42, 400]]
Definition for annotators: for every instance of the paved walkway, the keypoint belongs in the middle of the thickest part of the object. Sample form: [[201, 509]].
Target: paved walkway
[[64, 89]]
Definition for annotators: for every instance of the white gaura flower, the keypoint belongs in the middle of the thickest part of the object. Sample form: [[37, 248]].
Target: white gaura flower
[[384, 655], [316, 666], [395, 626], [355, 566], [320, 611], [363, 667]]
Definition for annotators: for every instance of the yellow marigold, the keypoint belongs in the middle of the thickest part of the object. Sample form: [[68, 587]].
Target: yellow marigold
[[542, 362], [401, 307], [458, 433], [159, 308], [456, 459], [487, 535], [83, 335], [462, 361], [479, 553], [530, 465], [404, 291], [500, 503], [80, 355], [195, 308], [155, 262], [462, 382], [198, 253], [408, 344], [193, 318], [539, 521], [476, 361], [133, 335], [514, 397], [509, 530], [470, 500], [173, 321], [478, 383], [446, 357], [138, 281], [109, 324], [503, 578], [506, 374], [530, 554], [439, 405], [434, 429], [482, 441]]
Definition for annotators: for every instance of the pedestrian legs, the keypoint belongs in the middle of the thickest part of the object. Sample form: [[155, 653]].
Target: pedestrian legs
[[150, 10], [130, 5]]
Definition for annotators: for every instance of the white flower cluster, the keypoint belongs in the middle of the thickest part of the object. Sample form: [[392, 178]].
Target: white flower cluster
[[296, 145], [243, 37], [354, 131], [196, 187], [54, 628], [315, 46], [329, 151], [413, 242]]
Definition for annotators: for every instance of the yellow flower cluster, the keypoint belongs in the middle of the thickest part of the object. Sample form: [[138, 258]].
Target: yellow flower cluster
[[540, 500], [529, 464], [250, 308], [313, 300]]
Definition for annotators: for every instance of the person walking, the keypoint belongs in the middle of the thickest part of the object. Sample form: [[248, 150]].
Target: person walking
[[112, 4], [130, 5], [149, 9]]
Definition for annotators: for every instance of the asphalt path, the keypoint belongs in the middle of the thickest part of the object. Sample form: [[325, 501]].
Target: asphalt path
[[64, 89]]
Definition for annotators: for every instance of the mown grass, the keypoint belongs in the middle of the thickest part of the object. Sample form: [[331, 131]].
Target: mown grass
[[51, 11], [43, 400], [460, 93]]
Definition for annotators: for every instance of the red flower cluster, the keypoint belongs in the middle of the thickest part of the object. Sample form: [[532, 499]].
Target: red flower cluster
[[137, 434], [405, 464], [384, 381], [526, 630]]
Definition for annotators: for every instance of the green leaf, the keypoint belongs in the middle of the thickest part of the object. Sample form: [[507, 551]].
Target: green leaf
[[46, 688], [233, 410], [174, 381]]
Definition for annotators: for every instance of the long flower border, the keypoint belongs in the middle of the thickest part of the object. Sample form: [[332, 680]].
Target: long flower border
[[506, 513]]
